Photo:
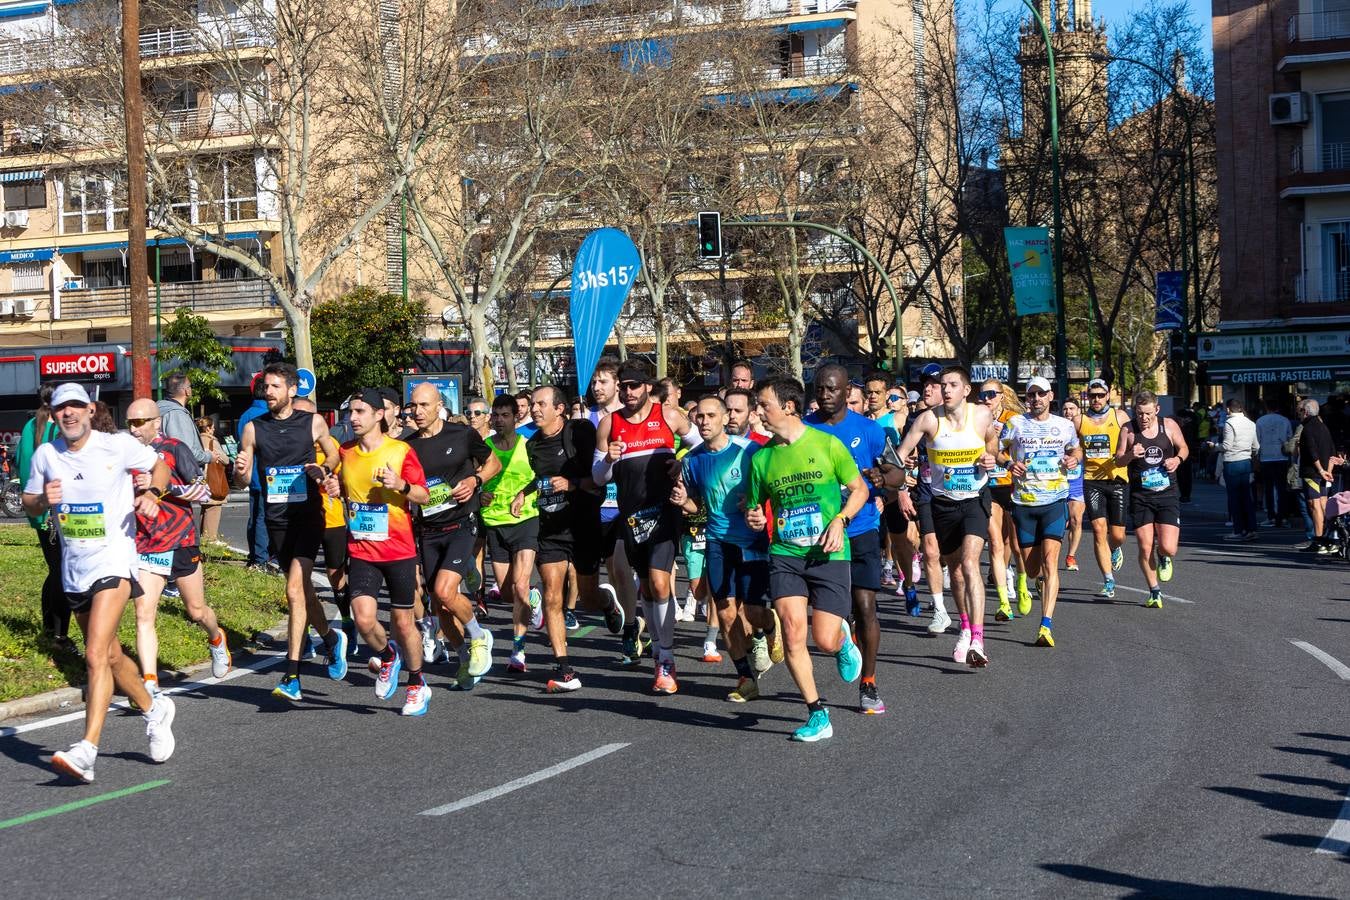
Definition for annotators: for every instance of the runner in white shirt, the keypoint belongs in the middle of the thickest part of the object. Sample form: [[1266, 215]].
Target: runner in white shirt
[[84, 477]]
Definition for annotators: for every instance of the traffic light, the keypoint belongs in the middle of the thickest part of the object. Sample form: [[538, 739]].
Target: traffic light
[[709, 235]]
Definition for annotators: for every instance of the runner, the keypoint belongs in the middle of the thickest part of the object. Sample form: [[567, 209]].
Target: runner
[[1073, 530], [1153, 447], [961, 448], [284, 439], [167, 546], [1003, 405], [377, 478], [334, 540], [865, 442], [916, 504], [802, 475], [639, 457], [81, 476], [743, 375], [455, 462], [740, 404], [1038, 450], [1104, 483]]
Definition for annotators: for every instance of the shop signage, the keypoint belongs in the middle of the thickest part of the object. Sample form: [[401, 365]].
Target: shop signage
[[78, 367], [1274, 344], [1278, 376]]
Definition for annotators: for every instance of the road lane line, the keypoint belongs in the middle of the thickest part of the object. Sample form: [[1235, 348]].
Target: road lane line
[[1325, 659], [81, 804], [1219, 552], [526, 781], [582, 631], [1121, 587], [1337, 840]]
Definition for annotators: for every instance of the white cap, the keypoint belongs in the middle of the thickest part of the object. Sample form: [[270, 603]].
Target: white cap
[[70, 393], [914, 397], [1099, 383], [1039, 383]]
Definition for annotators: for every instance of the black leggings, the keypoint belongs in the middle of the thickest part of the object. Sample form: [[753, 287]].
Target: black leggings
[[55, 608]]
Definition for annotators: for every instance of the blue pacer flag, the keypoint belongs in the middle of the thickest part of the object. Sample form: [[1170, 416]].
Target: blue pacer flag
[[1032, 268], [603, 273], [1168, 290]]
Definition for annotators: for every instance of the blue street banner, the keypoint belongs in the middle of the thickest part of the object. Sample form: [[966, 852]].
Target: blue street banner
[[1169, 289], [448, 386], [606, 266], [1032, 268]]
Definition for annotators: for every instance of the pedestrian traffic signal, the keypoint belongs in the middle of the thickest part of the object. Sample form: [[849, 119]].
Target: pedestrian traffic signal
[[709, 235]]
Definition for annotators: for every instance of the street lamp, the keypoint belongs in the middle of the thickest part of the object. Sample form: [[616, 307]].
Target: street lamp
[[1061, 338]]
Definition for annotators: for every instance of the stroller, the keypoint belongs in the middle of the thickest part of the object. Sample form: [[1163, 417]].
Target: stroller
[[1337, 528]]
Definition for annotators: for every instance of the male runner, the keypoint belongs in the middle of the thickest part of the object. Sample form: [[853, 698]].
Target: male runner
[[639, 457], [476, 411], [1104, 481], [743, 375], [1153, 447], [740, 403], [961, 447], [1039, 449], [167, 546], [623, 583], [456, 462], [802, 476], [1073, 531], [82, 477], [865, 442], [334, 539], [916, 504], [512, 540], [283, 439], [378, 477]]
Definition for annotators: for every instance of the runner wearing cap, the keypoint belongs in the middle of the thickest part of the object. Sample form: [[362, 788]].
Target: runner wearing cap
[[916, 501], [1154, 448], [82, 477], [1104, 486]]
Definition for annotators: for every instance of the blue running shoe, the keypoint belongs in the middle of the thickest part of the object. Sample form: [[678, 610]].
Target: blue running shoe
[[817, 728], [1108, 590], [387, 682], [288, 688], [1117, 558], [419, 696], [849, 658], [337, 656], [912, 606]]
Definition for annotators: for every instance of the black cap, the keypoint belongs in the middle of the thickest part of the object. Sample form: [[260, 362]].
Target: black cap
[[371, 397], [389, 395], [634, 372]]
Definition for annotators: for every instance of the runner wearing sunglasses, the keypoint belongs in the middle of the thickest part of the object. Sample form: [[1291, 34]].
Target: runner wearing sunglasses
[[1003, 405], [1104, 487]]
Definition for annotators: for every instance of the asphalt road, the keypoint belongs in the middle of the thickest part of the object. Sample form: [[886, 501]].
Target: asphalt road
[[1189, 752]]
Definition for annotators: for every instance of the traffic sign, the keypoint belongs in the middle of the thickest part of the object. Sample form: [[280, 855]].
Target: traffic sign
[[307, 382]]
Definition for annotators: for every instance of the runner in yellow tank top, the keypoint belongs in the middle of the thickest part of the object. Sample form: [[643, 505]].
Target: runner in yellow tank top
[[1104, 482]]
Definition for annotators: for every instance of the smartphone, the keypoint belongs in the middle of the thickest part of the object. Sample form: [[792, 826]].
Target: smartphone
[[891, 456]]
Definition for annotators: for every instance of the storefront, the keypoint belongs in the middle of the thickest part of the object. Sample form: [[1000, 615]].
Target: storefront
[[1276, 366]]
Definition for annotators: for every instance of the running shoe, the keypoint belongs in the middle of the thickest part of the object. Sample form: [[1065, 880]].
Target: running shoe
[[463, 680], [912, 605], [1023, 600], [570, 620], [1164, 568], [848, 658], [374, 663], [868, 701], [776, 639], [563, 682], [427, 627], [480, 656], [664, 682], [536, 603], [888, 575], [759, 655], [613, 612], [976, 658], [306, 648], [946, 579], [680, 614], [747, 689], [1108, 590], [1154, 600], [1004, 613], [159, 728], [387, 682], [633, 647], [1044, 638], [77, 762], [817, 728], [419, 697], [516, 662], [493, 596], [472, 582], [337, 656], [941, 622], [1117, 558], [288, 687], [962, 646], [1071, 564], [710, 654]]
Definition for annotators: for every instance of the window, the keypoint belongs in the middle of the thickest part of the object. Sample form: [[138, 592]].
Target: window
[[27, 278], [104, 273], [175, 265], [1335, 261], [85, 206], [1334, 127], [227, 190], [26, 194]]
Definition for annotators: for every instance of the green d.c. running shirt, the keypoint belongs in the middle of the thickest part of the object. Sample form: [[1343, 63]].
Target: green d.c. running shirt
[[503, 487], [801, 481]]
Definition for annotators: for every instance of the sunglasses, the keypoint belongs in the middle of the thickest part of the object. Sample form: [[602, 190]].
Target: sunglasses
[[988, 395], [1097, 396], [137, 423], [478, 412], [894, 398], [1037, 393], [631, 385]]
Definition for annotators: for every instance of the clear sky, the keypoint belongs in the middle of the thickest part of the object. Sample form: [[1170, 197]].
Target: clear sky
[[1115, 10]]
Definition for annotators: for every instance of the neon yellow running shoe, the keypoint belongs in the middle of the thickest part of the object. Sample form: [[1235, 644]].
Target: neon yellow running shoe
[[1005, 613], [1023, 600], [1164, 568], [1044, 638], [1154, 600]]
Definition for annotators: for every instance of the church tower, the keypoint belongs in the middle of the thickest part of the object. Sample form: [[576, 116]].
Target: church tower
[[1080, 72]]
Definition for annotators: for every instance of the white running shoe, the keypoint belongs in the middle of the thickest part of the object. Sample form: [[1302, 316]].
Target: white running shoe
[[941, 622], [536, 602], [962, 646], [159, 728], [220, 658], [759, 655], [428, 628], [77, 762], [419, 697]]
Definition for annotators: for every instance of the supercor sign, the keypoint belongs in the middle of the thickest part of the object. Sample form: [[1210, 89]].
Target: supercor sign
[[78, 367]]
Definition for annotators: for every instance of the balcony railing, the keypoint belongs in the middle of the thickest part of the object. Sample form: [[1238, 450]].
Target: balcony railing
[[1332, 156], [227, 33], [1327, 25], [239, 293], [1332, 290]]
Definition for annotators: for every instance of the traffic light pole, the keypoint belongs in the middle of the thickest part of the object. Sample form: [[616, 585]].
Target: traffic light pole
[[885, 279]]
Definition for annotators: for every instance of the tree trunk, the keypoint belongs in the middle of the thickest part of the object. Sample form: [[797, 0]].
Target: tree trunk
[[478, 348], [509, 363], [796, 329], [298, 320], [659, 321]]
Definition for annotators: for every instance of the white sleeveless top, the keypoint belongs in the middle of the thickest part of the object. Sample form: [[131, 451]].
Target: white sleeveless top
[[952, 469]]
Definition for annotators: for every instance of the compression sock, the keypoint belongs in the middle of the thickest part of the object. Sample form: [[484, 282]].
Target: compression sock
[[665, 632], [815, 706], [562, 664], [743, 667], [343, 600], [1045, 621], [518, 643], [1001, 585], [711, 636], [1021, 582], [965, 622], [388, 652], [939, 602], [977, 632], [473, 629]]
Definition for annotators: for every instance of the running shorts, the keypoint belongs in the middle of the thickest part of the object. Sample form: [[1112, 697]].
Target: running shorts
[[365, 578], [896, 520], [450, 549], [695, 556], [865, 560], [1002, 495], [335, 547], [295, 541], [1105, 500], [925, 511], [179, 562], [655, 551], [1039, 523], [1315, 488], [824, 582], [80, 601], [955, 520], [735, 571], [505, 541], [1156, 508]]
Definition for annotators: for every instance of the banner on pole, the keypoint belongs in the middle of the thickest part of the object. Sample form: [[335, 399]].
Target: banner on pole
[[606, 266], [1032, 268], [1169, 289]]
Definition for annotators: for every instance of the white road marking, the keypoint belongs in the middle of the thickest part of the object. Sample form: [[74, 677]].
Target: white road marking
[[1219, 552], [1121, 587], [526, 781], [1325, 659], [1337, 840]]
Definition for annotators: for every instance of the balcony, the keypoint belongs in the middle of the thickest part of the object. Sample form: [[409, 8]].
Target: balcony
[[1329, 173], [1317, 38], [211, 34], [210, 121], [200, 296]]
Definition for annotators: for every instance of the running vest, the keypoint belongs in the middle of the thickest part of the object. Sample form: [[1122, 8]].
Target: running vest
[[1148, 474], [514, 476], [284, 447], [952, 469], [641, 473], [1101, 440]]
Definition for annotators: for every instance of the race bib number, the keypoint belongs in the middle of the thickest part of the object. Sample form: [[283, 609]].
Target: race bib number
[[370, 521], [1155, 478], [611, 500], [82, 521], [698, 538], [998, 473], [551, 501], [642, 524], [157, 563], [800, 526], [440, 499], [1097, 446], [286, 484]]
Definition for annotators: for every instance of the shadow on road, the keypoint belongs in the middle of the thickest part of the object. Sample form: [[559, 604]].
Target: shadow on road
[[1140, 887]]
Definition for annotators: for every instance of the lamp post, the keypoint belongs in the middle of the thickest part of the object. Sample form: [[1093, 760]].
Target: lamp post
[[1061, 336]]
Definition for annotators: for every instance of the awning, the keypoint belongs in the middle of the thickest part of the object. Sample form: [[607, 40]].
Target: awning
[[27, 9], [154, 242], [816, 26], [23, 256], [28, 175]]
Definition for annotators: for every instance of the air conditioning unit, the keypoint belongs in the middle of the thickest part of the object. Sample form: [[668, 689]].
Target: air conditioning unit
[[1293, 108], [73, 283], [16, 218], [25, 306], [6, 307]]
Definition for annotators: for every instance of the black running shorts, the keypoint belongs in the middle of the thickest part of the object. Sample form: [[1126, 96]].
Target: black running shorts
[[824, 582], [955, 520], [365, 578], [1105, 500], [505, 541]]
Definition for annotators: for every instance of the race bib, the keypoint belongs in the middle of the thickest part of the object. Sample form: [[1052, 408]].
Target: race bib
[[440, 499], [370, 521], [157, 563], [611, 500], [800, 526], [998, 472], [82, 521], [551, 501], [1097, 446], [642, 524], [286, 484], [698, 538], [1155, 478]]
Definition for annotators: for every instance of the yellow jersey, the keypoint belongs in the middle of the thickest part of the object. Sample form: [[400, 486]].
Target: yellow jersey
[[1101, 440]]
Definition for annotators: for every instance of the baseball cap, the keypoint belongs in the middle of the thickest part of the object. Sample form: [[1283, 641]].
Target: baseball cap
[[372, 397], [930, 372], [70, 393], [1099, 383], [631, 372], [913, 397], [1039, 384], [389, 395]]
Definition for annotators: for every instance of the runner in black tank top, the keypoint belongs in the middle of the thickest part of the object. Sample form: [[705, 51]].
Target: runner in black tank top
[[1153, 447]]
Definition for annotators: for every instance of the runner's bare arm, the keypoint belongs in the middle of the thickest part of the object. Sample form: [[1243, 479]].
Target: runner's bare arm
[[323, 439], [679, 424], [924, 426], [1123, 452], [243, 461], [1178, 441]]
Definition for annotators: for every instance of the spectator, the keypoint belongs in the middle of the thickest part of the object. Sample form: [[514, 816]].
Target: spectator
[[176, 422], [1272, 430], [259, 545], [1239, 447], [55, 609], [102, 419], [211, 509], [1315, 452], [1190, 425]]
